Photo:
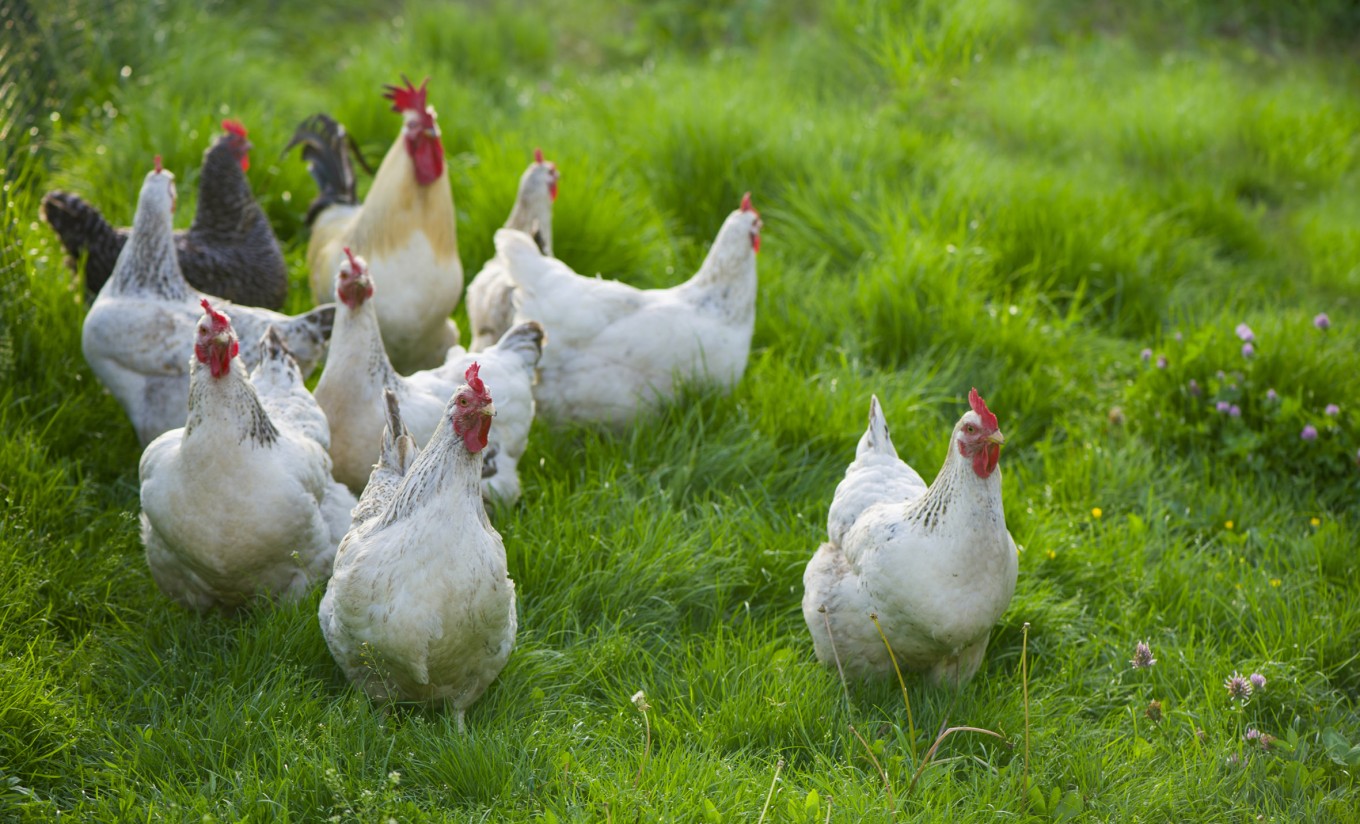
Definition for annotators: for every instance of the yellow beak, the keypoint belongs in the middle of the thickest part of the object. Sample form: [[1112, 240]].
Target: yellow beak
[[997, 438]]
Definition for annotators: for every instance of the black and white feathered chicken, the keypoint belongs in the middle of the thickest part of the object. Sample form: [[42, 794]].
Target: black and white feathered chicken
[[229, 250]]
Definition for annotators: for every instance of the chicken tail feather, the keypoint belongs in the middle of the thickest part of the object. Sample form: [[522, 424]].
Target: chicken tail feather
[[83, 229], [525, 340], [325, 147]]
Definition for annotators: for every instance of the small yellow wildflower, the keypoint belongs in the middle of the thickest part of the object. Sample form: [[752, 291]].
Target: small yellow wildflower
[[1227, 525], [1052, 555], [1274, 582], [1316, 522], [1096, 513]]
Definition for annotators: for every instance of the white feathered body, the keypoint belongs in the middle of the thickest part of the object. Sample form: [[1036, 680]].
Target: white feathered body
[[935, 564], [617, 350], [420, 606], [240, 503]]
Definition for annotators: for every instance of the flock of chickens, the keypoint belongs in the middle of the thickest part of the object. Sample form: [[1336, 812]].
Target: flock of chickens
[[249, 480]]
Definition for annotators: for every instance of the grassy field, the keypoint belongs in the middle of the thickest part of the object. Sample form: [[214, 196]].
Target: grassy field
[[1021, 195]]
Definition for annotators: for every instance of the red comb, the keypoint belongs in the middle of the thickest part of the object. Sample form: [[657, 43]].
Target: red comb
[[538, 155], [158, 164], [746, 203], [980, 407], [355, 266], [219, 320], [474, 382], [235, 127], [409, 99]]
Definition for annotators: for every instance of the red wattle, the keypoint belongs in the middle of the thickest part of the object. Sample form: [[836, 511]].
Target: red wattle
[[427, 153], [755, 242], [245, 162], [476, 438]]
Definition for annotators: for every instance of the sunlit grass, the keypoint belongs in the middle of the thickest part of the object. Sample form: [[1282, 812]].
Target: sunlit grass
[[1015, 194]]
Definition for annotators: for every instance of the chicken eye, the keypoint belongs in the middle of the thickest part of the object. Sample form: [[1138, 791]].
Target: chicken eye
[[462, 400], [969, 428]]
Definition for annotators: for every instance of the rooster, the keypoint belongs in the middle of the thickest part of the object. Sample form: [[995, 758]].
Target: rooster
[[405, 228], [357, 373], [935, 565], [616, 348], [229, 250], [419, 606], [137, 336], [240, 503], [490, 296]]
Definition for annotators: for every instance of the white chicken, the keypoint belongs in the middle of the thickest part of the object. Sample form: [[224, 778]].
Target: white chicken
[[490, 296], [357, 373], [138, 335], [935, 564], [420, 606], [406, 228], [617, 350], [240, 503]]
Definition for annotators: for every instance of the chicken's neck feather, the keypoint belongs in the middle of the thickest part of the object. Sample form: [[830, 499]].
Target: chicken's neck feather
[[224, 199], [149, 264], [957, 495], [356, 347], [396, 206], [726, 282], [226, 410], [533, 216], [444, 475]]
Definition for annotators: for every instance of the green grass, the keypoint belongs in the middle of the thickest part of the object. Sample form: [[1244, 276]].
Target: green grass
[[1016, 194]]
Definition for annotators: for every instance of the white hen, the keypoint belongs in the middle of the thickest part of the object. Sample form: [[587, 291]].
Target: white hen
[[617, 349], [240, 503], [490, 296], [138, 335], [420, 607], [357, 373], [934, 564]]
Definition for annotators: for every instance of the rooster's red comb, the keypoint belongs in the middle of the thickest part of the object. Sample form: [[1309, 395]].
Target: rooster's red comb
[[474, 380], [980, 407], [538, 155], [235, 127], [746, 203], [219, 320], [159, 169], [409, 99]]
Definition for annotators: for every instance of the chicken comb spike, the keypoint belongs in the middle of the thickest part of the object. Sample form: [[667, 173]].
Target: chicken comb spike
[[219, 320], [746, 203], [538, 155], [234, 126], [474, 380], [980, 407], [159, 169], [409, 99], [356, 266]]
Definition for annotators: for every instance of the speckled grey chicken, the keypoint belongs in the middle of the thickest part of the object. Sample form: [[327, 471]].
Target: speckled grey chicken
[[229, 250]]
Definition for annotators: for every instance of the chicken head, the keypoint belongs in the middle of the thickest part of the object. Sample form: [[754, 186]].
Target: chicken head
[[216, 343], [421, 131], [978, 436], [473, 411]]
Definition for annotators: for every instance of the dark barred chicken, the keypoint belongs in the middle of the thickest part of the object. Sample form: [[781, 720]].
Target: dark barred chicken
[[230, 250]]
